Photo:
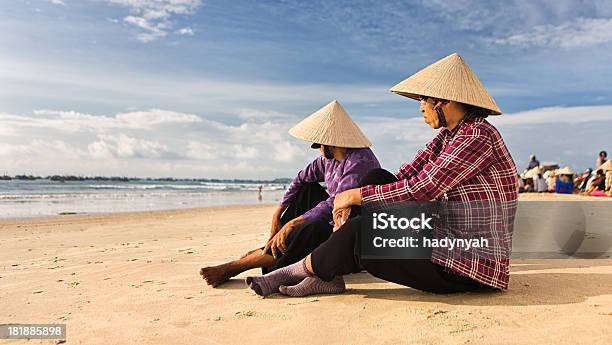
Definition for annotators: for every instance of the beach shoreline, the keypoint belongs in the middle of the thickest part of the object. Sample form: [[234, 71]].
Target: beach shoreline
[[522, 198], [102, 215], [132, 277]]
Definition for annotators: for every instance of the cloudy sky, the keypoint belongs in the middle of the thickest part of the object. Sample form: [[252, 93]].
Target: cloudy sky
[[191, 88]]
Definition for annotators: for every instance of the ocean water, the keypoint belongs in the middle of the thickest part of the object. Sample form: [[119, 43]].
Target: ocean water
[[37, 198]]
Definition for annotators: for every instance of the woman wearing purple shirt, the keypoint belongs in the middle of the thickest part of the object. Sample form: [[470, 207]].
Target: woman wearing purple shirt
[[303, 220]]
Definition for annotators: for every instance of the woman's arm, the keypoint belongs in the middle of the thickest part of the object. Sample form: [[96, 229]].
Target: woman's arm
[[313, 172], [466, 156], [408, 170], [343, 203]]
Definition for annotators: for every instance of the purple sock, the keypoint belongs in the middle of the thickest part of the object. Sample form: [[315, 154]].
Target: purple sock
[[268, 284], [314, 285]]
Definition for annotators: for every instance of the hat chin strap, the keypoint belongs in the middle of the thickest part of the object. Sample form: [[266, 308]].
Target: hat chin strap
[[327, 152], [441, 117]]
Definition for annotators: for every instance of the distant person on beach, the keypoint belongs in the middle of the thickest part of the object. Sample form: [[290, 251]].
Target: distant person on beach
[[303, 220], [528, 184], [467, 161], [549, 175], [521, 184], [259, 196], [533, 162], [603, 157], [581, 181], [598, 183], [539, 184]]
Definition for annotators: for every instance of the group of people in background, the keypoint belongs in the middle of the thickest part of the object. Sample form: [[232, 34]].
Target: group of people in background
[[549, 178]]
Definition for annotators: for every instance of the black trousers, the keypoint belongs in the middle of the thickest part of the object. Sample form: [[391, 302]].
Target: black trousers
[[339, 255], [301, 242]]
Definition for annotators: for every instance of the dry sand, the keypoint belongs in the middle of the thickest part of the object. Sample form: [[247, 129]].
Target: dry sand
[[133, 278]]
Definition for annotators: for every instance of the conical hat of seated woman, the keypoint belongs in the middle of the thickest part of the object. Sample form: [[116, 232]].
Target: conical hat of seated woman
[[331, 126], [451, 79], [607, 166], [564, 171], [533, 172]]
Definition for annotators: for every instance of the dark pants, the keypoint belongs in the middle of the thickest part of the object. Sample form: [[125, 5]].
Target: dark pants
[[339, 255], [301, 242]]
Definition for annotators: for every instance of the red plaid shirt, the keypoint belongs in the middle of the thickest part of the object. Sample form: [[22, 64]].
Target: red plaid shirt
[[468, 164]]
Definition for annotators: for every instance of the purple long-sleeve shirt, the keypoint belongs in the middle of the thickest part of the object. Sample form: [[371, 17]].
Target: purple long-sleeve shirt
[[338, 176]]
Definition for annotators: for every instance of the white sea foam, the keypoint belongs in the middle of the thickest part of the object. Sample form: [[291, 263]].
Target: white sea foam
[[44, 197]]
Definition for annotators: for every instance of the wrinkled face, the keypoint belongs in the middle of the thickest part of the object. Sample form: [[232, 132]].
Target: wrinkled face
[[429, 113]]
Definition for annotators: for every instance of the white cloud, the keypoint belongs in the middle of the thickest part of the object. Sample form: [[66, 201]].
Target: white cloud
[[123, 146], [146, 143], [246, 113], [200, 151], [57, 2], [288, 152], [151, 31], [565, 135], [185, 31], [581, 32], [155, 18], [242, 151], [156, 117], [167, 143], [37, 148], [71, 121], [569, 115]]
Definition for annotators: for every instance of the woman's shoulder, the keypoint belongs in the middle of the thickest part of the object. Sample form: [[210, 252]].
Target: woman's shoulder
[[361, 152], [363, 155], [479, 127]]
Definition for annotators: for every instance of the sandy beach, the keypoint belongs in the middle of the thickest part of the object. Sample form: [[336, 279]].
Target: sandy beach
[[133, 278]]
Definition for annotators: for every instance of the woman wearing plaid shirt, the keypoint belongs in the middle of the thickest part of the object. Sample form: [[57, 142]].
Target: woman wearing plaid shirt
[[467, 162]]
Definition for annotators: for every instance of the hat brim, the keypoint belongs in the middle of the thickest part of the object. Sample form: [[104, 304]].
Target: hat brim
[[417, 97], [315, 146], [450, 79]]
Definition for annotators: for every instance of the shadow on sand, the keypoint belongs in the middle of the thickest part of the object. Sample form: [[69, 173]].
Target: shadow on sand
[[526, 288], [233, 284]]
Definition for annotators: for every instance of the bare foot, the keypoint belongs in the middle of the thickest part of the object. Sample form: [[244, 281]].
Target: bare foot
[[216, 275]]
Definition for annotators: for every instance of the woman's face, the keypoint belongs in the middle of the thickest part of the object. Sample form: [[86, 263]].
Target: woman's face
[[429, 113], [326, 152]]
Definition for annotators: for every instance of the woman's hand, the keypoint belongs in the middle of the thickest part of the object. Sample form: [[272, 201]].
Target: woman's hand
[[346, 199], [277, 243], [340, 217], [276, 221]]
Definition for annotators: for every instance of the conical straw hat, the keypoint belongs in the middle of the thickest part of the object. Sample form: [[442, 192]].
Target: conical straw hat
[[450, 79], [565, 171], [533, 172], [331, 126], [606, 166]]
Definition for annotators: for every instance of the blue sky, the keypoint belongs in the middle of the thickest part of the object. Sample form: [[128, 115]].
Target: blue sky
[[192, 88]]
